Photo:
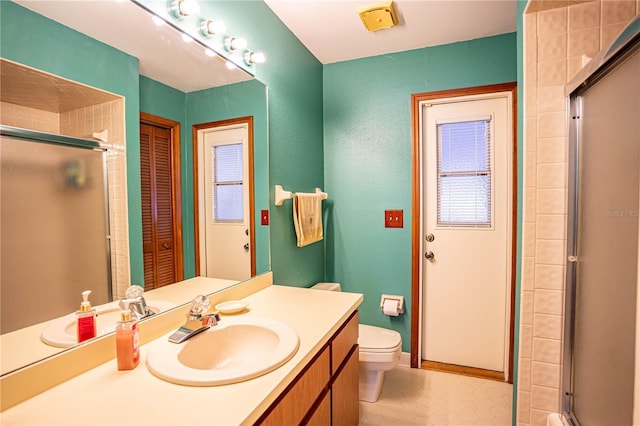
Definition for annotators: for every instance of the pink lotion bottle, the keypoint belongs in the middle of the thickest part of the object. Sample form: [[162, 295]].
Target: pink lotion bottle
[[86, 319], [127, 340]]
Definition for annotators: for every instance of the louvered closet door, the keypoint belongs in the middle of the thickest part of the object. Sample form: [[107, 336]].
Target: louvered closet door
[[157, 214]]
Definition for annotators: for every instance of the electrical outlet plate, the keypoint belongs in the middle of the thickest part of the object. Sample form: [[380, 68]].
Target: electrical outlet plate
[[393, 218]]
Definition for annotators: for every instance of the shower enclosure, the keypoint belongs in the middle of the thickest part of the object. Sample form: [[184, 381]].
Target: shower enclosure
[[599, 373], [53, 227]]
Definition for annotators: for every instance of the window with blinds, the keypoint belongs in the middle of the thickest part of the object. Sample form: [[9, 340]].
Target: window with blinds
[[227, 184], [464, 173]]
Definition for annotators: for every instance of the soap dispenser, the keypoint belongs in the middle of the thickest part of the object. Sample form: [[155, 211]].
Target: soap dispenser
[[127, 340], [86, 319]]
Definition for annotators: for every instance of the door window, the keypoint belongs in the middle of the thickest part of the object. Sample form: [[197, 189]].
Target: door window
[[227, 185], [464, 173]]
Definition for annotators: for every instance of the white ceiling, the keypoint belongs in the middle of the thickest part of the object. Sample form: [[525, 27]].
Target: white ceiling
[[333, 32]]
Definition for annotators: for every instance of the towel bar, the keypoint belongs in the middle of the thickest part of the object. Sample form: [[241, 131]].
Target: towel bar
[[282, 195]]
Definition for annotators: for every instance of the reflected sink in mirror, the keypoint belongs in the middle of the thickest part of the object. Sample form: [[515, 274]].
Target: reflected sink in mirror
[[61, 332], [235, 350]]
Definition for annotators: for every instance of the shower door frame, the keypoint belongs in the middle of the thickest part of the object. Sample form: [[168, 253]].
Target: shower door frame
[[608, 61]]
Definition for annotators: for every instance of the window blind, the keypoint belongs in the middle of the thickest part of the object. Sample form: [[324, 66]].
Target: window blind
[[228, 186], [464, 173]]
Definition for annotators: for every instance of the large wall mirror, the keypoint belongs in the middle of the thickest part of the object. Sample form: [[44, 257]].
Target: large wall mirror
[[150, 72]]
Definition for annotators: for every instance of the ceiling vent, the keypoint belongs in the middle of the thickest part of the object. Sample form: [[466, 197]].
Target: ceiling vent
[[379, 17]]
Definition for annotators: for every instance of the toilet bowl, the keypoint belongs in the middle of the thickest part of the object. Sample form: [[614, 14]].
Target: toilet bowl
[[380, 351]]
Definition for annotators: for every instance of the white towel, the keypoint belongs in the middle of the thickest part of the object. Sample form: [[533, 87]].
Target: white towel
[[307, 218]]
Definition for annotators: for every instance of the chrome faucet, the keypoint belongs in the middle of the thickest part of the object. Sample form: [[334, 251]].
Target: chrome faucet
[[196, 321], [138, 307]]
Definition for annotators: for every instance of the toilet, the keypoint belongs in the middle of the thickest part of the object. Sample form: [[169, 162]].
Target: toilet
[[380, 351]]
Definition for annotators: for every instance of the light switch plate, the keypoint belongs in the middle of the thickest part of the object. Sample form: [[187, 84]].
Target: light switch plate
[[264, 215], [393, 218]]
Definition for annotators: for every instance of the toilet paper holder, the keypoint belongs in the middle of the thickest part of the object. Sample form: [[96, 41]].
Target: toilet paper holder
[[397, 299]]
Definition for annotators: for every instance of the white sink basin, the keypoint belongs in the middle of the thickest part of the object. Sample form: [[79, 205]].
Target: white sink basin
[[62, 333], [235, 350]]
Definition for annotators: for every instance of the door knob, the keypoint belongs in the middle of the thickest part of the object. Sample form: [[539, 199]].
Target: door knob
[[429, 255], [165, 246], [430, 238]]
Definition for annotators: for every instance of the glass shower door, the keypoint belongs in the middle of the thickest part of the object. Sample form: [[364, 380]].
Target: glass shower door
[[603, 249]]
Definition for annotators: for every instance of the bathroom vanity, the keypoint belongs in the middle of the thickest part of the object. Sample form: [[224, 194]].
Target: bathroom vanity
[[318, 382]]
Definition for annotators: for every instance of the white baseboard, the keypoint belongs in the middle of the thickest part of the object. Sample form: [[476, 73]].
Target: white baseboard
[[405, 359]]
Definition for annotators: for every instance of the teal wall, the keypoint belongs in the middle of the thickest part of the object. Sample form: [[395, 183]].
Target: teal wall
[[367, 159], [222, 103], [65, 52], [294, 80]]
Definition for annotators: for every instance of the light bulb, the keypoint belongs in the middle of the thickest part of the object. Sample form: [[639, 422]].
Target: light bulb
[[182, 8], [254, 57], [186, 38], [210, 27], [210, 53], [233, 43], [230, 65]]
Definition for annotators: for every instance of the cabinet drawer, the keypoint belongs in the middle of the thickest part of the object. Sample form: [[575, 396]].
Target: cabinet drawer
[[297, 401], [344, 340]]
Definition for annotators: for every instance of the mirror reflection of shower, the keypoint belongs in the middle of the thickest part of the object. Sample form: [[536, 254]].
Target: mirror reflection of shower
[[54, 224]]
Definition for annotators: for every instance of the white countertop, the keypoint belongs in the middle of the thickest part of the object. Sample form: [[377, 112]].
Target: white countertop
[[22, 347], [106, 396]]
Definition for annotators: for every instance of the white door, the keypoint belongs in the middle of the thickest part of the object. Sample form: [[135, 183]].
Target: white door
[[225, 235], [467, 147]]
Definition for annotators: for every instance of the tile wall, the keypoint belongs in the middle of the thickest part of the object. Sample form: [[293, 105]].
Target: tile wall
[[559, 39]]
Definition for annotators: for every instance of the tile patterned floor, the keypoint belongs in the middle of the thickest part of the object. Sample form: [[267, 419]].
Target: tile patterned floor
[[421, 397]]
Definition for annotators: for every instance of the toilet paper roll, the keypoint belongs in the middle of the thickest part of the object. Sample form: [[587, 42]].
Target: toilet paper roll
[[390, 307]]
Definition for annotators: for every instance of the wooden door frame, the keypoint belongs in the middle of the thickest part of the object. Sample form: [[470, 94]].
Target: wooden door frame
[[248, 121], [416, 219], [176, 186]]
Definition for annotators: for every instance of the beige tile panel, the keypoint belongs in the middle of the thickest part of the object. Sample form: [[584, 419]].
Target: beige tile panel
[[617, 11], [528, 273], [610, 32], [550, 277], [524, 407], [552, 124], [552, 22], [548, 302], [530, 171], [526, 346], [526, 308], [552, 176], [531, 100], [545, 374], [531, 135], [551, 99], [583, 16], [530, 205], [539, 417], [545, 399], [550, 252], [552, 47], [529, 244], [551, 226], [547, 326], [551, 201], [584, 42], [552, 73], [552, 150], [547, 350], [524, 374]]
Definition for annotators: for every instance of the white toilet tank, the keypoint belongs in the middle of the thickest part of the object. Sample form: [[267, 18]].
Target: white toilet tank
[[327, 286]]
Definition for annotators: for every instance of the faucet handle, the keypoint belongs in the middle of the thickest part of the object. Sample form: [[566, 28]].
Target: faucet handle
[[199, 306], [211, 319]]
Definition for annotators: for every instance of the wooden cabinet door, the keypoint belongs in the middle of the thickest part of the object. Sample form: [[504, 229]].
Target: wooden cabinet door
[[159, 226], [344, 393]]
